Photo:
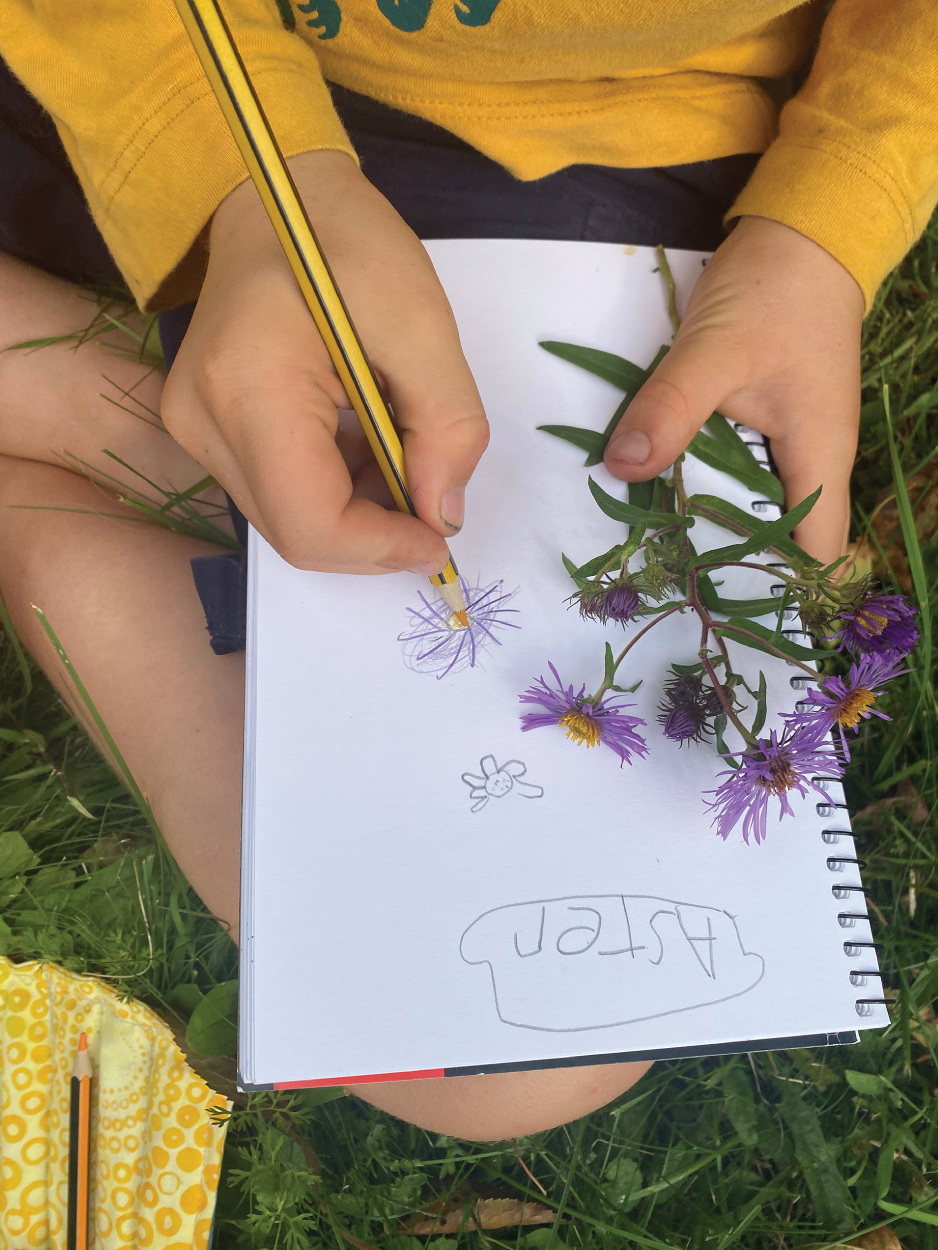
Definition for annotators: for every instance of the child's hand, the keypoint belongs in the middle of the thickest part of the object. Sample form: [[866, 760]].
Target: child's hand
[[771, 339], [254, 398]]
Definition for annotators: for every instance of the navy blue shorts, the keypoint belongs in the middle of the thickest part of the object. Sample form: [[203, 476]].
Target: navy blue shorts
[[441, 186]]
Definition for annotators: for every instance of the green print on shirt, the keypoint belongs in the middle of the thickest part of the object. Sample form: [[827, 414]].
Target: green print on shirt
[[411, 15], [326, 13], [406, 15], [474, 12]]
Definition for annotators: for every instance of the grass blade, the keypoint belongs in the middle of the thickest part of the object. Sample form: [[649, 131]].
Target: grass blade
[[128, 777]]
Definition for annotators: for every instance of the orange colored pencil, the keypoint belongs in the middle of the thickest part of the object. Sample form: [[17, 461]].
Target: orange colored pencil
[[79, 1148]]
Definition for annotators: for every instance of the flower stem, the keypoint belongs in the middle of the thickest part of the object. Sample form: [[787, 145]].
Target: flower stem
[[595, 698], [706, 628], [669, 287], [677, 481], [828, 591]]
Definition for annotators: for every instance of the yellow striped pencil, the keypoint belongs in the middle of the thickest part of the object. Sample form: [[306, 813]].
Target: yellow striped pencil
[[79, 1148], [235, 93]]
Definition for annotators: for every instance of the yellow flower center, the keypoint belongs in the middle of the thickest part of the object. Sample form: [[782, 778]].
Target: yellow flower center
[[872, 622], [852, 707], [781, 778], [581, 728]]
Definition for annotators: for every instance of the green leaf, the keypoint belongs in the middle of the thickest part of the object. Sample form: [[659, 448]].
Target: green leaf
[[641, 494], [740, 1104], [631, 515], [723, 449], [595, 457], [719, 729], [78, 806], [325, 1093], [732, 627], [716, 509], [592, 567], [817, 1159], [213, 1028], [610, 674], [623, 1181], [586, 440], [912, 545], [887, 1158], [15, 855], [186, 997], [909, 1213], [684, 669], [616, 417], [746, 607], [12, 735], [572, 570], [866, 1083], [544, 1239], [760, 698], [707, 592], [605, 365], [763, 538], [925, 985]]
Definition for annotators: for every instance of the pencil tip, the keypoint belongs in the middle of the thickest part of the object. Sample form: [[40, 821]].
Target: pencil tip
[[83, 1042], [463, 618]]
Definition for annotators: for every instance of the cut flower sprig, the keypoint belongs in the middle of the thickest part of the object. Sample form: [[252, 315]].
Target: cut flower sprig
[[656, 573]]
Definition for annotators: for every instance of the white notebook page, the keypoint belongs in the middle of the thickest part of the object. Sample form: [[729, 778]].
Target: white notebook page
[[392, 923]]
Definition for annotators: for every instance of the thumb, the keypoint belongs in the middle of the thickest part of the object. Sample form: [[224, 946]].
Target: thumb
[[667, 412]]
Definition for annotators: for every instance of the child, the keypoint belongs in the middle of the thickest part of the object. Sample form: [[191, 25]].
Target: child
[[634, 123]]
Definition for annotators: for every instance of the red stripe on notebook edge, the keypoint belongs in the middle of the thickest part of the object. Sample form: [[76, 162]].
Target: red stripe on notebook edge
[[423, 1075]]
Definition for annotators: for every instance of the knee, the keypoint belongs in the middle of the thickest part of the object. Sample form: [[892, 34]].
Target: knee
[[505, 1104]]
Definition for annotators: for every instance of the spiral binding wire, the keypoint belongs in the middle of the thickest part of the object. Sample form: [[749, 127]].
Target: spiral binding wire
[[828, 809]]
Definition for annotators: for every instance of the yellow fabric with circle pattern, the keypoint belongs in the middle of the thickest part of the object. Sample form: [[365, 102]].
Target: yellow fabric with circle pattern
[[155, 1147]]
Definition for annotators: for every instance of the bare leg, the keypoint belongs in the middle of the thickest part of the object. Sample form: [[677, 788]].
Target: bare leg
[[52, 400], [121, 598]]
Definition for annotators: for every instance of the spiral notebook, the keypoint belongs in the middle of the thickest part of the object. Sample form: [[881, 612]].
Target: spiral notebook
[[428, 891]]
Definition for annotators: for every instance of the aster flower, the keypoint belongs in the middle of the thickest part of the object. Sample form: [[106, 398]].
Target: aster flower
[[687, 706], [843, 702], [609, 601], [437, 643], [771, 769], [879, 624], [591, 725]]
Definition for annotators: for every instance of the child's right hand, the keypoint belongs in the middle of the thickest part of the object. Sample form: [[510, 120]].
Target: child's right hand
[[253, 395]]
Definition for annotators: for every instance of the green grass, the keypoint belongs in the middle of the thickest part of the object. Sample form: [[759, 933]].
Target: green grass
[[795, 1148]]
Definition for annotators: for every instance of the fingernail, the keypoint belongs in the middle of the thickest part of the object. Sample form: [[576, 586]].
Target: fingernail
[[631, 446], [428, 569], [453, 508]]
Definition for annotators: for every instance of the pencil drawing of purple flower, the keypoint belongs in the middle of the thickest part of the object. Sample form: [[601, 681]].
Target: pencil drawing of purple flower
[[772, 769], [604, 723], [843, 702], [436, 643], [880, 624]]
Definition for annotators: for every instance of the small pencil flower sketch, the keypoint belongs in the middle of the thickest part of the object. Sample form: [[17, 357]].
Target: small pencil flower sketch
[[496, 782], [435, 642]]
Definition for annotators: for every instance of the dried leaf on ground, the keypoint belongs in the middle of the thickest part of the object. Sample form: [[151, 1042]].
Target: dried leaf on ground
[[879, 1239], [482, 1213]]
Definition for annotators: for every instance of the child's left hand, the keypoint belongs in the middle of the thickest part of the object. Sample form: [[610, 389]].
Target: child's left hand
[[771, 339]]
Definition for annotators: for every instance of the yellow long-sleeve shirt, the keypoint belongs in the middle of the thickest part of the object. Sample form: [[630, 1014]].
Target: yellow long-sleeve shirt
[[852, 162]]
